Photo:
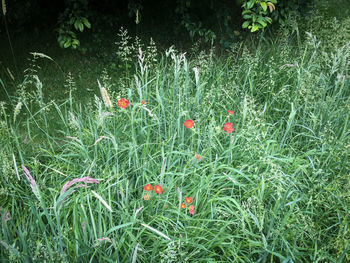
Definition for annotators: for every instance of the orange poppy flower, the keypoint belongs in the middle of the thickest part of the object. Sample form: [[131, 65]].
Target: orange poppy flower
[[188, 200], [148, 187], [142, 102], [188, 124], [123, 103], [230, 112], [191, 209], [228, 127], [183, 205], [198, 157], [158, 189], [146, 197]]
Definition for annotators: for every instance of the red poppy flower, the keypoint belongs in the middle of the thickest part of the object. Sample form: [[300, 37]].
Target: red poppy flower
[[142, 102], [148, 187], [146, 197], [198, 157], [123, 103], [158, 189], [228, 127], [230, 112], [188, 200], [183, 205], [188, 124]]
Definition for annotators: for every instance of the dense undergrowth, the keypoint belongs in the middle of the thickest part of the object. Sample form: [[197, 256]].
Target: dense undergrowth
[[276, 189]]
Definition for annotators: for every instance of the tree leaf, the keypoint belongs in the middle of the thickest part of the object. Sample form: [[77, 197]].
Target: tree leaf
[[67, 43], [86, 22], [254, 28], [262, 22], [76, 24], [263, 5], [271, 6], [250, 4], [245, 24], [81, 26]]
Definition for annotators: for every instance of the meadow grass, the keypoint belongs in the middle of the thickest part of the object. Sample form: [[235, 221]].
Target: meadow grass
[[276, 189]]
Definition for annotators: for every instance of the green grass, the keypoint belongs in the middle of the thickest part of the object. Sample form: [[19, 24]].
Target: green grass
[[275, 190]]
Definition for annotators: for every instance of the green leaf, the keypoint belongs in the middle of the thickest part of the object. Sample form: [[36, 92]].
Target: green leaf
[[262, 22], [271, 6], [86, 22], [268, 19], [254, 18], [67, 43], [118, 227], [245, 24], [76, 24], [76, 42], [250, 4], [81, 26], [263, 5], [254, 28]]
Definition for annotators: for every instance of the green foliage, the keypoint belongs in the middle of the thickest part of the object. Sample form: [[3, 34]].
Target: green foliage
[[276, 190], [256, 14], [285, 8], [73, 18]]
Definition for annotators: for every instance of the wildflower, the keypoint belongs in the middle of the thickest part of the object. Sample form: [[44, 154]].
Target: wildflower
[[230, 112], [142, 102], [188, 124], [228, 127], [148, 187], [188, 200], [198, 157], [158, 189], [146, 197], [123, 103], [182, 205], [191, 209]]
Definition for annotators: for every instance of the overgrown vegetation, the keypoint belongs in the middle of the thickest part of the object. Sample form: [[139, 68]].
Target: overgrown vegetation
[[276, 189]]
